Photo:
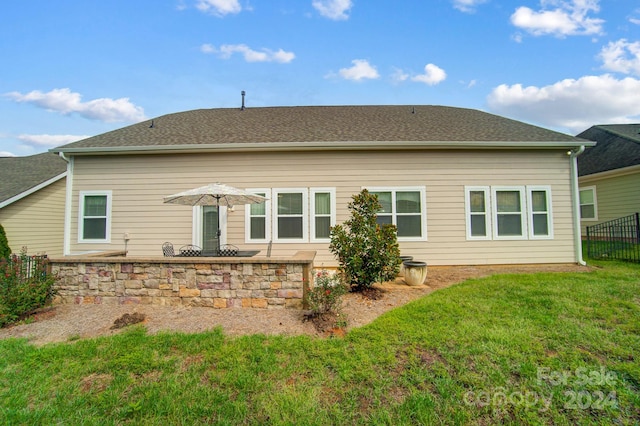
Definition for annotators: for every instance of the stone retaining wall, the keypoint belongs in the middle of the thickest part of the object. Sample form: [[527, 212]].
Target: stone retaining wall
[[215, 282]]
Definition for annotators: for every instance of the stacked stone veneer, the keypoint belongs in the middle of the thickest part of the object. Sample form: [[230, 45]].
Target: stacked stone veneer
[[217, 283]]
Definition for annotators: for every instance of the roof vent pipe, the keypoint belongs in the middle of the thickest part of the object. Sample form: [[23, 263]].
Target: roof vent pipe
[[242, 93]]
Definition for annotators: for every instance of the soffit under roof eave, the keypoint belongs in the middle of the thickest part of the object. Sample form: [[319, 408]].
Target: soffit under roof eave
[[321, 146]]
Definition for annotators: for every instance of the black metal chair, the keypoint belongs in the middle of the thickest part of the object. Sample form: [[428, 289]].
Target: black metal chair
[[167, 250], [228, 250], [190, 251]]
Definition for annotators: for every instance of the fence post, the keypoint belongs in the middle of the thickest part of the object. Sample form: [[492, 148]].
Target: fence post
[[637, 228], [588, 242]]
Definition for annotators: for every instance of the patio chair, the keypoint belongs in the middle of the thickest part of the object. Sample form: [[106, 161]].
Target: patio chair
[[228, 250], [190, 251], [167, 250]]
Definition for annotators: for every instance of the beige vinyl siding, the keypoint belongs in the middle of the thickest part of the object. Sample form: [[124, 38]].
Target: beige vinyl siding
[[37, 221], [616, 196], [139, 184]]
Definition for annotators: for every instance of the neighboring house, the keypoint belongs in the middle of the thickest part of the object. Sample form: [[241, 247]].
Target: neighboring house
[[609, 173], [463, 186], [32, 202]]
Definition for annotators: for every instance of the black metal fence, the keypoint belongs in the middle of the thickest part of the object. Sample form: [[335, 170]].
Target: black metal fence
[[23, 267], [616, 239]]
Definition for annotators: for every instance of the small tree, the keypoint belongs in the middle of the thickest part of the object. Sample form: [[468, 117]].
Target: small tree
[[5, 251], [367, 252]]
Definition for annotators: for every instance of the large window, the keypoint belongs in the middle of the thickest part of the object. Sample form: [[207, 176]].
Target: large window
[[290, 215], [508, 212], [588, 209], [508, 208], [404, 207], [94, 221]]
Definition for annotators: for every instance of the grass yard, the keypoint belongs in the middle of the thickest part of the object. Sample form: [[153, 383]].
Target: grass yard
[[512, 349]]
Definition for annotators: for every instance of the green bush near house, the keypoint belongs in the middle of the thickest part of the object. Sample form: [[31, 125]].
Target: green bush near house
[[5, 250], [367, 252]]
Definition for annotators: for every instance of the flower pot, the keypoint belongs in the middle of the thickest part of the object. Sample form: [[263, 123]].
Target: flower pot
[[402, 260], [415, 272]]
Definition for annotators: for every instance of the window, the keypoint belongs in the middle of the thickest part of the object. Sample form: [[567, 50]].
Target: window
[[508, 208], [94, 222], [588, 206], [539, 201], [258, 223], [323, 213], [290, 218], [404, 207], [511, 212], [477, 208]]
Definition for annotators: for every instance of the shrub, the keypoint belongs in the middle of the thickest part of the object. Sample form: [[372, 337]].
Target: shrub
[[367, 252], [21, 290], [325, 296], [5, 250]]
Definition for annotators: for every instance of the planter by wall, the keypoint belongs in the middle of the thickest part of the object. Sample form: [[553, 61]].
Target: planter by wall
[[402, 260], [415, 272]]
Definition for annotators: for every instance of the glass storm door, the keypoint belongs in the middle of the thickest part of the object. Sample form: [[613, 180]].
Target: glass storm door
[[210, 224]]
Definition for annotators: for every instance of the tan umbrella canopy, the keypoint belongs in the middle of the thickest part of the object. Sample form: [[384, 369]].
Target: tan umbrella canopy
[[215, 194]]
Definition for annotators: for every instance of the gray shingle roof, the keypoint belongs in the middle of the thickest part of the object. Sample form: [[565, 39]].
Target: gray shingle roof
[[20, 174], [326, 124], [618, 146]]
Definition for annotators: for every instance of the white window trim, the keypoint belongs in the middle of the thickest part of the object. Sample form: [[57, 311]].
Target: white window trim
[[198, 225], [595, 203], [312, 212], [487, 214], [423, 203], [305, 215], [530, 212], [82, 195], [523, 212], [267, 217]]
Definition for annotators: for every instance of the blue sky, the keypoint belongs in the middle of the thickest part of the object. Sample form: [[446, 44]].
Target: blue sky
[[72, 69]]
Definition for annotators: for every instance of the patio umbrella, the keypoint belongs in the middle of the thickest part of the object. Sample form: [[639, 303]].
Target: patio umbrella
[[215, 194]]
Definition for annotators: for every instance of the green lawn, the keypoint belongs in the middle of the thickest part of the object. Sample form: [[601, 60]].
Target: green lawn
[[512, 349]]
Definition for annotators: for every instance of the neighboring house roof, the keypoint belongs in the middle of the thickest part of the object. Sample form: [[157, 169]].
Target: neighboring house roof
[[318, 127], [618, 146], [21, 176]]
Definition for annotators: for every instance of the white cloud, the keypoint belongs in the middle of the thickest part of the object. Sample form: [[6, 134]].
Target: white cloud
[[433, 75], [621, 56], [399, 76], [7, 154], [360, 70], [65, 102], [467, 6], [265, 55], [219, 7], [571, 104], [333, 9], [559, 18], [49, 140], [636, 18]]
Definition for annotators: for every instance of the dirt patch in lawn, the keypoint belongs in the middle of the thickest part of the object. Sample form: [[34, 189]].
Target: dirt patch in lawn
[[71, 322]]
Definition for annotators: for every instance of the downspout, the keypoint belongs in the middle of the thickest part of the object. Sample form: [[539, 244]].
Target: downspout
[[575, 193], [66, 251]]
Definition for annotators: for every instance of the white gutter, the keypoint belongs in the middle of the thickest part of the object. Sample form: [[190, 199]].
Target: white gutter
[[575, 193], [66, 251], [322, 146]]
